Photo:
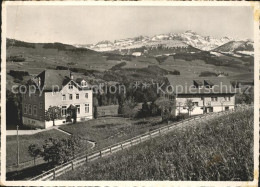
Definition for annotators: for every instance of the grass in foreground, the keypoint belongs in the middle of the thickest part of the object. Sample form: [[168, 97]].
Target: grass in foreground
[[219, 149]]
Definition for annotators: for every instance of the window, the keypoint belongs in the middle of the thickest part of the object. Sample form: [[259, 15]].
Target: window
[[77, 96], [40, 105], [86, 108], [63, 97], [30, 109], [34, 110], [196, 103], [83, 83], [25, 109], [227, 98], [63, 110], [78, 109], [214, 99], [70, 86], [71, 97], [86, 95]]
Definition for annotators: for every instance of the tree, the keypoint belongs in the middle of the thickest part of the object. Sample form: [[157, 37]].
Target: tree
[[13, 108], [34, 151], [53, 113], [245, 98], [95, 104], [121, 99], [74, 144], [166, 106], [154, 109], [56, 150], [59, 151], [189, 105], [128, 108], [145, 111]]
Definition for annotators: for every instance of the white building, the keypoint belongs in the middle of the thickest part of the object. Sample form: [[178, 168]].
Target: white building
[[57, 88], [208, 94]]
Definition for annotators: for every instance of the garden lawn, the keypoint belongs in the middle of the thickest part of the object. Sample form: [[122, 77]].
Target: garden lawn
[[218, 149]]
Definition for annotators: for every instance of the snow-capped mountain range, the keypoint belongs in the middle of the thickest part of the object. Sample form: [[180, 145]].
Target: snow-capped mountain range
[[188, 38]]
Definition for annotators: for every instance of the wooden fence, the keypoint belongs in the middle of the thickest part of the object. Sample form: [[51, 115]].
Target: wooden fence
[[84, 158]]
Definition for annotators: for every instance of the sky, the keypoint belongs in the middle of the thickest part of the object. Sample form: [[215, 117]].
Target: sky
[[91, 24]]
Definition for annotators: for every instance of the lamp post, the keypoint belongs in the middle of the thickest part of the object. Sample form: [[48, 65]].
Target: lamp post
[[17, 139]]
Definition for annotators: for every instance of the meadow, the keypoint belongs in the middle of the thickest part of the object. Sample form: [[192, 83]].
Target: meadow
[[220, 149], [107, 131]]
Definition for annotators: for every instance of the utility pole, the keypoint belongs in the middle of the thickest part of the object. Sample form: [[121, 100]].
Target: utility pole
[[180, 103], [17, 139]]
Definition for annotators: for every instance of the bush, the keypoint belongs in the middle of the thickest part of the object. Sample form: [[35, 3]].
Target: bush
[[182, 116], [18, 74], [61, 68], [118, 66], [161, 59], [15, 59], [207, 74]]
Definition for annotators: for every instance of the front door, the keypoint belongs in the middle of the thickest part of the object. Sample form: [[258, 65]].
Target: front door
[[210, 109]]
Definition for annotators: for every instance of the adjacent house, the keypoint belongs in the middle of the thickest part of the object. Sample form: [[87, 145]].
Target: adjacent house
[[208, 94], [57, 88]]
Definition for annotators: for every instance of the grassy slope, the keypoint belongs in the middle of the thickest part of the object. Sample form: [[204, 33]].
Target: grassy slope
[[107, 131], [220, 149]]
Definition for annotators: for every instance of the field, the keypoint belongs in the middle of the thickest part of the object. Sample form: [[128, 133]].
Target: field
[[218, 150], [110, 130], [195, 67]]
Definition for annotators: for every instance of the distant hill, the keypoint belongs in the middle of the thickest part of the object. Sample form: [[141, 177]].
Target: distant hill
[[52, 54], [237, 47]]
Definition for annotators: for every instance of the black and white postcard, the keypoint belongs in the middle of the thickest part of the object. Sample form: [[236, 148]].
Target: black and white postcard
[[130, 93]]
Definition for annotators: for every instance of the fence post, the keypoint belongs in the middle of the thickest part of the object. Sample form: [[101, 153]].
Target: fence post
[[121, 146], [54, 175], [72, 166], [160, 132], [110, 149], [131, 142], [86, 158], [150, 135], [100, 153]]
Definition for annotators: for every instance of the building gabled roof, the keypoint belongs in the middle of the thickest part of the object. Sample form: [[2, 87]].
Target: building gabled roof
[[49, 79], [185, 85]]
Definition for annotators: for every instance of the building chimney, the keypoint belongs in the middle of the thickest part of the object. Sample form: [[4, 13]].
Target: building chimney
[[71, 76]]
